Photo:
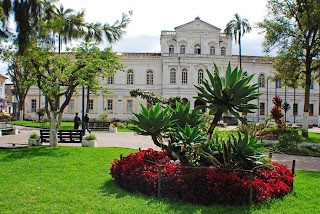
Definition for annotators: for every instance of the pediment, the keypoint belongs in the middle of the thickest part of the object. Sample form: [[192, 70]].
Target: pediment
[[197, 25]]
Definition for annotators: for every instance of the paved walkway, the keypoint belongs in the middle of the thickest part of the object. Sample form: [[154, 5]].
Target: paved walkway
[[130, 140]]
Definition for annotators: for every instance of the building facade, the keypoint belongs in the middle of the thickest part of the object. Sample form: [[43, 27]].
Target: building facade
[[185, 54]]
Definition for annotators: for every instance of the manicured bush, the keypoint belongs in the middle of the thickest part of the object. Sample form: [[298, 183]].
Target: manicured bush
[[138, 172]]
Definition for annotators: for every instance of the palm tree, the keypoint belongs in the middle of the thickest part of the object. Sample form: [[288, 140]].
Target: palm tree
[[238, 27]]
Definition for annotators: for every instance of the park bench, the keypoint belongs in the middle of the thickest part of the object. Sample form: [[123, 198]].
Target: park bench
[[99, 125], [64, 136]]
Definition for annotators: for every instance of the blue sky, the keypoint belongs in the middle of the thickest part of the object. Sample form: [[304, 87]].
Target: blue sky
[[150, 17]]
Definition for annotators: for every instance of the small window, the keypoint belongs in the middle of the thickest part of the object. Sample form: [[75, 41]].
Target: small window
[[33, 105], [171, 49], [90, 106], [212, 50], [110, 106], [310, 109], [278, 83], [182, 49], [71, 107], [150, 78], [197, 49], [200, 76], [184, 76], [261, 81], [110, 79], [149, 105], [129, 106], [173, 76], [311, 85], [130, 77], [223, 51], [295, 109], [262, 109]]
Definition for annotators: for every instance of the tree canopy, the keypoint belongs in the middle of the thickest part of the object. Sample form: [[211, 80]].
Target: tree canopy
[[292, 27]]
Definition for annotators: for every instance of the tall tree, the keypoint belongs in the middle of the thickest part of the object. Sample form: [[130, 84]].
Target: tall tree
[[292, 26], [58, 76], [27, 15], [20, 75], [238, 27]]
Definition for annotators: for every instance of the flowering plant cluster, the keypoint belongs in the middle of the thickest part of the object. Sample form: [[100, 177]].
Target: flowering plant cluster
[[276, 111], [115, 124], [138, 172]]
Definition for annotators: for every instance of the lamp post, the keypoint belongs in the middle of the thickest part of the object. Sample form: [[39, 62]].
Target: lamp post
[[83, 128]]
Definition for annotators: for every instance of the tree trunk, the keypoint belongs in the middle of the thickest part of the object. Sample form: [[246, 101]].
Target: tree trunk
[[214, 123], [305, 124], [240, 49], [54, 127]]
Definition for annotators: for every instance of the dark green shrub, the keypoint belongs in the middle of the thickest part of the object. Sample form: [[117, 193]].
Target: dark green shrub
[[289, 138]]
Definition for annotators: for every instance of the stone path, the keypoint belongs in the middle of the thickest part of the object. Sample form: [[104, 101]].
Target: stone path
[[130, 140]]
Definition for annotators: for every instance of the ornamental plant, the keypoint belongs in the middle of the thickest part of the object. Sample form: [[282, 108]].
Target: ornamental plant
[[276, 111]]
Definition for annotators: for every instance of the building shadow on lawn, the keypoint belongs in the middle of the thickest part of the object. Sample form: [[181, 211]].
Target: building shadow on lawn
[[31, 152], [110, 188]]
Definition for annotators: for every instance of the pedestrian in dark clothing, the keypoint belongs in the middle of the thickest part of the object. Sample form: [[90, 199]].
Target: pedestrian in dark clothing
[[86, 123], [76, 121]]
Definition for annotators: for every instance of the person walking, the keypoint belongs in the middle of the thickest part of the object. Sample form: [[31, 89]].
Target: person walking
[[76, 121], [86, 122]]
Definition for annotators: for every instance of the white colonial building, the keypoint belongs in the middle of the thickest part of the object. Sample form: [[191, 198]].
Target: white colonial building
[[185, 54]]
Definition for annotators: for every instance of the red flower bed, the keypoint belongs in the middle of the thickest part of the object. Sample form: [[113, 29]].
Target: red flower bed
[[138, 172]]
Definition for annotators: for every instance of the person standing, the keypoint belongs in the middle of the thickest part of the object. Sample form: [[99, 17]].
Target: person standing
[[76, 121], [86, 123]]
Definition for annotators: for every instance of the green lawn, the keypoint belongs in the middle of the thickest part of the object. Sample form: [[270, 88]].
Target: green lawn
[[64, 125], [77, 180], [312, 138]]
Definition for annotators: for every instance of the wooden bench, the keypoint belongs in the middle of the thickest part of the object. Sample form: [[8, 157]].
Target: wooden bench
[[64, 136], [99, 125]]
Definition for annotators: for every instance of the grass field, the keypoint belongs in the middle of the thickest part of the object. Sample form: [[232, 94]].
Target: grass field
[[64, 125], [77, 180]]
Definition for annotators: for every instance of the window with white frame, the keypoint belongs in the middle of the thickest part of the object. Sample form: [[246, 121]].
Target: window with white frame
[[171, 49], [278, 83], [173, 75], [130, 77], [129, 106], [310, 109], [110, 79], [197, 49], [182, 49], [71, 107], [184, 79], [200, 76], [223, 51], [33, 105], [149, 77], [261, 81], [90, 106], [212, 50], [110, 106]]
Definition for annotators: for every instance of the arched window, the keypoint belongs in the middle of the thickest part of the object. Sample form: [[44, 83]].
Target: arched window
[[212, 50], [197, 49], [223, 51], [149, 77], [171, 49], [130, 77], [182, 49], [184, 79], [200, 75], [173, 76], [261, 81]]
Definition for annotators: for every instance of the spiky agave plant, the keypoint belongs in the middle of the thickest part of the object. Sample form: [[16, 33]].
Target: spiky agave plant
[[231, 93]]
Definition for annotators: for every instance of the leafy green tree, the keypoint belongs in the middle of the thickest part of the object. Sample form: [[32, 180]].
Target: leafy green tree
[[238, 27], [292, 27], [58, 76], [231, 93], [21, 76]]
